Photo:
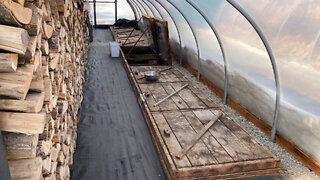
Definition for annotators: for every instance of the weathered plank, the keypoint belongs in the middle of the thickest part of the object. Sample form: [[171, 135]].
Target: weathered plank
[[199, 154], [203, 97], [213, 145], [186, 94], [149, 98], [258, 151], [170, 139], [176, 99], [159, 93], [230, 142]]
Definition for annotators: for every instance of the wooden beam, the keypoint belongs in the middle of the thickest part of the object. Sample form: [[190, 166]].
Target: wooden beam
[[13, 39], [8, 62], [26, 123]]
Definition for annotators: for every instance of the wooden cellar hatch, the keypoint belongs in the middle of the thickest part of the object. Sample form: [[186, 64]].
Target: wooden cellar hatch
[[225, 150]]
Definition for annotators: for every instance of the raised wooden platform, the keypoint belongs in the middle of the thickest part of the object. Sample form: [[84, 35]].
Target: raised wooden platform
[[225, 151]]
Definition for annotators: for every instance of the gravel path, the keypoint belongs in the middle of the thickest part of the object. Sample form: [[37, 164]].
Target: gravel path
[[292, 169]]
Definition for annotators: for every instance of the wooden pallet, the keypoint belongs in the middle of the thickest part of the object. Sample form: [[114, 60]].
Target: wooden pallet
[[120, 35], [226, 150]]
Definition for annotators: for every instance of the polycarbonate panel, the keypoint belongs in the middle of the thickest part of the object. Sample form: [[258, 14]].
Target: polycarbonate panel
[[251, 78], [292, 27], [153, 9], [146, 7]]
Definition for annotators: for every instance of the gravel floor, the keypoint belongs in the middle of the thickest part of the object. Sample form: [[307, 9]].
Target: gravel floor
[[292, 169]]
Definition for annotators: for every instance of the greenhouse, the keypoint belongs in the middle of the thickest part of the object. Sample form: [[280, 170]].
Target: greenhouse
[[160, 89]]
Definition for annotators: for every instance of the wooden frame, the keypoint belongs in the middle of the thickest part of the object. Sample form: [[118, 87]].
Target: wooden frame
[[218, 171], [166, 39]]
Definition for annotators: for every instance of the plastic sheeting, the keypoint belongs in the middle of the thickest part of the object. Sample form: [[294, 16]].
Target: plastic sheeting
[[292, 29]]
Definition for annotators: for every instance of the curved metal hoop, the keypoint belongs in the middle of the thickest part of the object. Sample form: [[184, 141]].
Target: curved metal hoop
[[273, 63]]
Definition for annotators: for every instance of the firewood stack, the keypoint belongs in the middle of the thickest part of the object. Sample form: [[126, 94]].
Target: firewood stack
[[43, 53]]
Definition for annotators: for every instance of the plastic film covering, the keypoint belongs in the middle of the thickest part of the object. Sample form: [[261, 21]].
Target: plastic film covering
[[210, 52], [155, 12], [293, 30], [251, 78], [124, 10], [187, 39], [147, 8], [142, 9], [136, 9]]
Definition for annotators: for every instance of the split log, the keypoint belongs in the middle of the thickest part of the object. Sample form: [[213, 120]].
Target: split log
[[46, 165], [26, 123], [32, 104], [20, 146], [16, 84], [44, 47], [31, 48], [8, 62], [13, 13], [37, 84], [25, 168], [54, 60], [33, 27], [20, 2], [47, 30], [13, 39], [44, 148]]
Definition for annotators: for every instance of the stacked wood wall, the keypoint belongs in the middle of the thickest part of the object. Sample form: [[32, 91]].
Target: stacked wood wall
[[43, 53]]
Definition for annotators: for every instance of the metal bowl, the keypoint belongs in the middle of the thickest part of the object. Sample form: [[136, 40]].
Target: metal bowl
[[152, 75]]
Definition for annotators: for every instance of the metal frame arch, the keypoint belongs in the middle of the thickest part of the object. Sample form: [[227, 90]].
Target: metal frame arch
[[154, 9], [133, 9], [143, 10], [136, 8], [272, 59], [226, 68], [176, 26], [147, 8], [194, 35]]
